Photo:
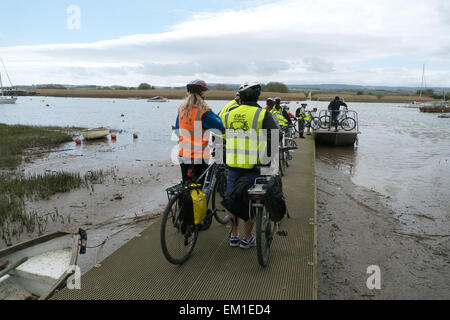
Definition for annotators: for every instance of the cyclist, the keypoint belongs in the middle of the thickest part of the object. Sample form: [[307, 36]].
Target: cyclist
[[334, 108], [270, 104], [193, 120], [283, 117], [286, 107], [243, 154], [300, 113], [230, 105]]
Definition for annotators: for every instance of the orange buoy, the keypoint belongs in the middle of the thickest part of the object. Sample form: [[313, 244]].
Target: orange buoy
[[113, 136], [78, 141], [135, 135]]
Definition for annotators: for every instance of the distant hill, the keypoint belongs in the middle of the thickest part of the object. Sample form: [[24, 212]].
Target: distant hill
[[233, 86]]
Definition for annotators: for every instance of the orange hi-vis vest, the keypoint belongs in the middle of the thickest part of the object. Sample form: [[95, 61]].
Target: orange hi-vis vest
[[193, 141]]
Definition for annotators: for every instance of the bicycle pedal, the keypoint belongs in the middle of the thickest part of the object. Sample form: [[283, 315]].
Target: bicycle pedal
[[283, 233]]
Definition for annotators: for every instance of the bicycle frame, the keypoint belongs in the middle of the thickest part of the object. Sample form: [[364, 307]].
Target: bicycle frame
[[344, 114], [209, 172]]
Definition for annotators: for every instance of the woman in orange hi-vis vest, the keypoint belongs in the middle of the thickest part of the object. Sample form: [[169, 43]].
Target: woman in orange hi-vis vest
[[193, 120]]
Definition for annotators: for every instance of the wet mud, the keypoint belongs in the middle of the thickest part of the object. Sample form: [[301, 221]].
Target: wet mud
[[358, 228]]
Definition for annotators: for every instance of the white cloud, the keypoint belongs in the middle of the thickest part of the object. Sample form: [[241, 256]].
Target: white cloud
[[289, 41]]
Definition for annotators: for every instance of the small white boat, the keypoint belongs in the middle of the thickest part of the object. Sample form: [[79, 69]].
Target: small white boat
[[96, 133], [5, 100], [36, 269], [158, 99]]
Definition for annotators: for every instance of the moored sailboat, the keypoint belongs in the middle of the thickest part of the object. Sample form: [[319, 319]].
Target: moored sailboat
[[5, 99]]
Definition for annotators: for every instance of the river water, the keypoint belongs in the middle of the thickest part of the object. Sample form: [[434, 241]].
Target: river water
[[402, 154]]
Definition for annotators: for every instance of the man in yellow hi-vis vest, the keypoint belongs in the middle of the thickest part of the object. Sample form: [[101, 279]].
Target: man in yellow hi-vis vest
[[301, 115], [230, 105], [245, 143], [283, 117]]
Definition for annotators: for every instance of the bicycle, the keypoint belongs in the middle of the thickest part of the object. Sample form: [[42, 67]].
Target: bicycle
[[344, 121], [314, 123], [177, 239], [286, 145], [265, 227]]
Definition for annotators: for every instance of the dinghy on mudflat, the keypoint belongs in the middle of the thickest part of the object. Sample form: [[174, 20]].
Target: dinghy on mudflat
[[36, 269]]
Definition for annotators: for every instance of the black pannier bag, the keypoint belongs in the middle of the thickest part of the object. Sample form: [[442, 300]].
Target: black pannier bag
[[275, 202], [237, 202], [187, 209]]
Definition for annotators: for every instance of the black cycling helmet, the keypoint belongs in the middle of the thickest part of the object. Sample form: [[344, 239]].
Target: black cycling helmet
[[270, 102], [197, 86], [337, 98], [250, 91], [277, 100]]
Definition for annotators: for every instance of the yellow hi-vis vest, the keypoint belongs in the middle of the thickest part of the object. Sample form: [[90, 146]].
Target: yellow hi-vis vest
[[244, 136], [305, 115], [279, 114], [233, 103]]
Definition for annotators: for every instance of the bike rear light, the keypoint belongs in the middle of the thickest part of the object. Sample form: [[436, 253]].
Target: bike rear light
[[190, 174]]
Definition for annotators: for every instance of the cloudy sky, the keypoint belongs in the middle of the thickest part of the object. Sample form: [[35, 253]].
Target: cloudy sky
[[370, 42]]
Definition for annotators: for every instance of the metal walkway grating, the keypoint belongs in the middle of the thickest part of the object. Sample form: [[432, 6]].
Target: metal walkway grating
[[215, 271]]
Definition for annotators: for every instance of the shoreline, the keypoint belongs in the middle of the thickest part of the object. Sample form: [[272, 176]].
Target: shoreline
[[129, 200], [212, 95]]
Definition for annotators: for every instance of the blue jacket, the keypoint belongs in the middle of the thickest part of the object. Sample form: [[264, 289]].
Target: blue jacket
[[210, 120]]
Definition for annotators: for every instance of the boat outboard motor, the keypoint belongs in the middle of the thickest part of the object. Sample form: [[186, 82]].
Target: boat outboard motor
[[83, 240]]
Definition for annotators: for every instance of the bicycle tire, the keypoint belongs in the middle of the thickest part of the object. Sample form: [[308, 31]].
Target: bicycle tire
[[282, 164], [325, 122], [218, 194], [185, 238], [348, 124], [264, 236], [286, 158], [315, 123]]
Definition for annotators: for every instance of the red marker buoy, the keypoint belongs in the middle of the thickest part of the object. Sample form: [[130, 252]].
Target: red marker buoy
[[47, 105], [135, 135], [78, 141]]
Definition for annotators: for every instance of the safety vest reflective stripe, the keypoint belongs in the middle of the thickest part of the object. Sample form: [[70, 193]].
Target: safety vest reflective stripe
[[228, 107], [193, 142], [244, 142]]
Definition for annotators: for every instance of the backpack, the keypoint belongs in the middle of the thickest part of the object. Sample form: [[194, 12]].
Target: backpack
[[275, 202], [192, 204], [237, 201]]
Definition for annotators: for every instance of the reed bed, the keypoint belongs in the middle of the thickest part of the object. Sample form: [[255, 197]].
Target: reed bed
[[16, 142], [15, 191], [16, 139]]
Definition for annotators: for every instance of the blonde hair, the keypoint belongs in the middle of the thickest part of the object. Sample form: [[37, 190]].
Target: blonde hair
[[193, 100]]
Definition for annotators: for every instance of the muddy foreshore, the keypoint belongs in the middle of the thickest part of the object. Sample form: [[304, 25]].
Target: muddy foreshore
[[127, 201], [357, 228]]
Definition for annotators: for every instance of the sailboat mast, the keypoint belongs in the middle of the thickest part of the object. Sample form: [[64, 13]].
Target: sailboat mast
[[423, 77], [1, 84]]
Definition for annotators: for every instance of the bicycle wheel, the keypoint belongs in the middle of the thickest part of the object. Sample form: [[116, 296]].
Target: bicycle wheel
[[315, 123], [264, 235], [218, 194], [348, 124], [282, 163], [325, 122], [177, 239], [287, 158]]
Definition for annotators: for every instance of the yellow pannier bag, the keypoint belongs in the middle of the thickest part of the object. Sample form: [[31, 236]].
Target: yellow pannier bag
[[198, 203]]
